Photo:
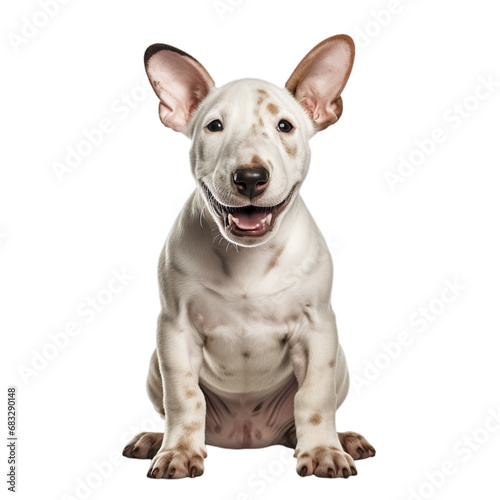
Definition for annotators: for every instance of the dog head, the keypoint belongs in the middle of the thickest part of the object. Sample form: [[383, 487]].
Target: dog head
[[250, 151]]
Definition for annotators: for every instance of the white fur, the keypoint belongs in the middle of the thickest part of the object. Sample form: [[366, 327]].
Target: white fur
[[244, 316]]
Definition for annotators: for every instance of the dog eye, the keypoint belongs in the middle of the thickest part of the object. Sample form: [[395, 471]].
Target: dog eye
[[285, 126], [215, 126]]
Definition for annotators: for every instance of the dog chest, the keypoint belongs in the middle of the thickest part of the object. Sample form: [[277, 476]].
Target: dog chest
[[245, 339]]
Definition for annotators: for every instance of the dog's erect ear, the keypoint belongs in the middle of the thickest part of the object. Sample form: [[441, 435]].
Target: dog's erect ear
[[179, 81], [321, 76]]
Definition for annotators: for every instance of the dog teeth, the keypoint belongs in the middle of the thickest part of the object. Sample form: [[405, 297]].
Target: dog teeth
[[267, 219]]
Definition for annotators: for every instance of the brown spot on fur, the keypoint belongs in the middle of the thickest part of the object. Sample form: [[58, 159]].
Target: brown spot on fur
[[198, 405], [291, 149], [315, 419], [190, 393], [245, 354], [256, 161], [273, 109], [183, 444], [262, 95], [331, 364], [273, 262], [193, 427]]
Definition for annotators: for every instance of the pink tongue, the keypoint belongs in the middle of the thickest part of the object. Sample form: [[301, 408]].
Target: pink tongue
[[249, 221]]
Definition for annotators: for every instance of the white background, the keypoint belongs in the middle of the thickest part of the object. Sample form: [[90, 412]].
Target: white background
[[61, 239]]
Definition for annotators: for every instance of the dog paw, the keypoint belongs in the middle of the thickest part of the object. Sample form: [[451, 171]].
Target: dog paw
[[325, 461], [356, 445], [144, 445], [175, 464]]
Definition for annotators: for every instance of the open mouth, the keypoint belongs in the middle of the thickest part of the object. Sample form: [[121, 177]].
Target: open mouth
[[249, 220]]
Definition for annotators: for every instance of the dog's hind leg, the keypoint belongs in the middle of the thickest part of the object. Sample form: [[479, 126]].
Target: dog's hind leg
[[154, 385], [147, 444], [356, 445], [144, 445]]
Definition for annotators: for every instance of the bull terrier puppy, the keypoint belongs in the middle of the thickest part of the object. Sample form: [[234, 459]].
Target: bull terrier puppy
[[247, 351]]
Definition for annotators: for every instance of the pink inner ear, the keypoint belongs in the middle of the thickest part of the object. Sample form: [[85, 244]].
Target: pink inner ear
[[181, 83], [320, 78]]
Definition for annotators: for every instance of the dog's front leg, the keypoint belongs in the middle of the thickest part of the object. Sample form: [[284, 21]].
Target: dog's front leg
[[180, 352], [314, 355]]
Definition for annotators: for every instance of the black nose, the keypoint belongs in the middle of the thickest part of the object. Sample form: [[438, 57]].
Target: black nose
[[251, 181]]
